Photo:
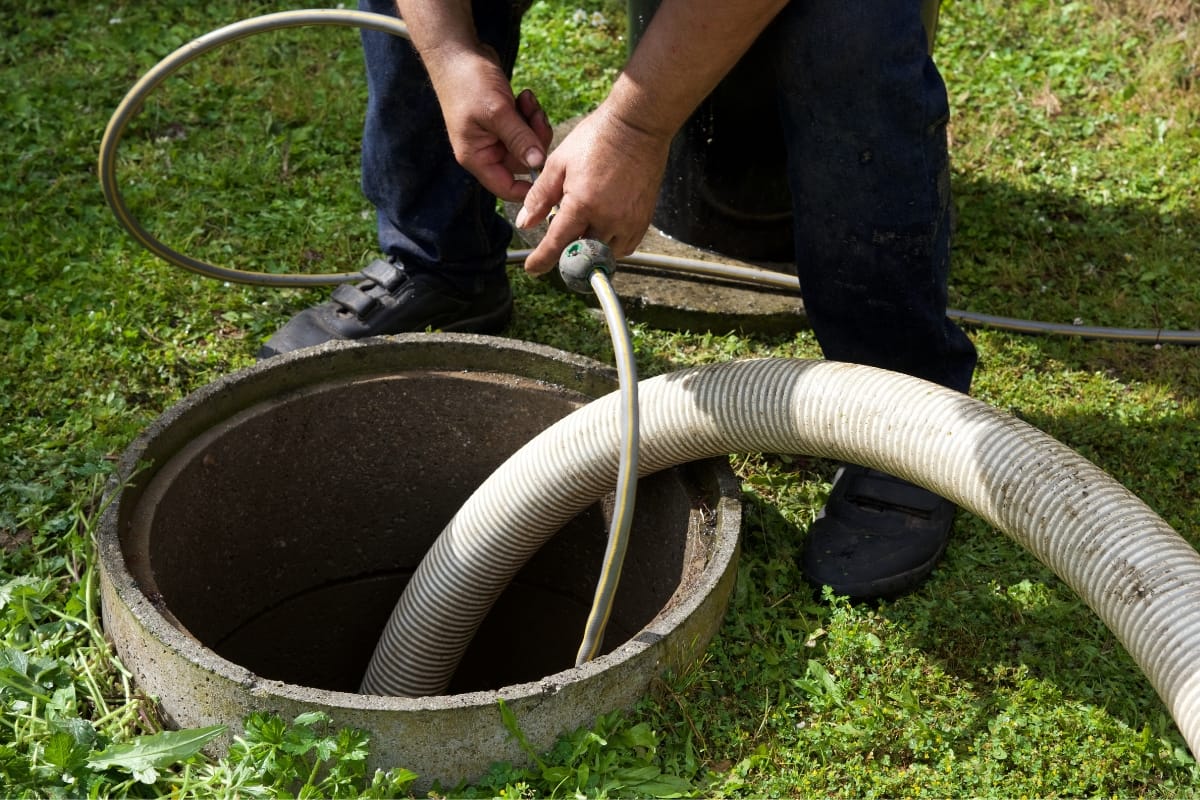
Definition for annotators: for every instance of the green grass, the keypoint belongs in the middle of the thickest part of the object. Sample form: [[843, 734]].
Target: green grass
[[1076, 153]]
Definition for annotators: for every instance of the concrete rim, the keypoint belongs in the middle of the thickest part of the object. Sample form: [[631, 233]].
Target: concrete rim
[[651, 649]]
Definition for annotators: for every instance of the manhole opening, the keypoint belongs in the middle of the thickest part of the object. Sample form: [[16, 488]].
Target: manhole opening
[[282, 537]]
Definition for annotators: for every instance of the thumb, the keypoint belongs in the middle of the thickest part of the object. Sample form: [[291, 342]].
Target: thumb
[[521, 141]]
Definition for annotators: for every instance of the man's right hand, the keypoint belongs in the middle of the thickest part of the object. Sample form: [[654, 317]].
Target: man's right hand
[[604, 178]]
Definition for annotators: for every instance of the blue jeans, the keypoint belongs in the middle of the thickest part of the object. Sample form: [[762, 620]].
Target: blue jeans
[[431, 213], [864, 115]]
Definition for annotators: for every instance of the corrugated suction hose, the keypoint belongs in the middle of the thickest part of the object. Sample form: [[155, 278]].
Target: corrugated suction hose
[[1135, 572]]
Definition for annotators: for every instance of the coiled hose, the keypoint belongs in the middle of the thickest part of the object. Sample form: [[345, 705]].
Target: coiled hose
[[1140, 576], [136, 97]]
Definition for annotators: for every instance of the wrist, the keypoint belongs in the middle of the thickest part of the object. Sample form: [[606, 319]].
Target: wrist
[[630, 106], [458, 73]]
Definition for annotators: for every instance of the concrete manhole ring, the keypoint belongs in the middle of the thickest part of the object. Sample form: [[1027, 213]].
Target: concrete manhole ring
[[259, 532]]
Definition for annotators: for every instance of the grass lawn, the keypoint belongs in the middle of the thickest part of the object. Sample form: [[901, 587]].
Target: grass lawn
[[1076, 158]]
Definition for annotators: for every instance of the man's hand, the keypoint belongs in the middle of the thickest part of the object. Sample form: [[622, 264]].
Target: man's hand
[[495, 135], [604, 177], [606, 173]]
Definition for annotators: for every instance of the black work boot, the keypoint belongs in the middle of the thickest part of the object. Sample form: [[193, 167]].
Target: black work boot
[[877, 537], [392, 300]]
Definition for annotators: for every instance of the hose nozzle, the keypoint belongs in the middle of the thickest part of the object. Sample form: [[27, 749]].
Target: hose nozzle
[[580, 259]]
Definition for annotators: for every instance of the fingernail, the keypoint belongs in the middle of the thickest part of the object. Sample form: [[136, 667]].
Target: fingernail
[[533, 157], [522, 217]]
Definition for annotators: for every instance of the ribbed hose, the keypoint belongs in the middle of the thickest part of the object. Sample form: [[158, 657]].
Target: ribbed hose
[[1138, 574]]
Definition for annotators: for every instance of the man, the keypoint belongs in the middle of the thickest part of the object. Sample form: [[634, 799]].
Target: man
[[863, 110]]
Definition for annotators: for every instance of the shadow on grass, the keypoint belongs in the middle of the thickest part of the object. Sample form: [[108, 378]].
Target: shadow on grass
[[992, 615], [995, 616], [1059, 258]]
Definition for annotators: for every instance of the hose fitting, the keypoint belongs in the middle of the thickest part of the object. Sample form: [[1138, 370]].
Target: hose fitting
[[580, 259]]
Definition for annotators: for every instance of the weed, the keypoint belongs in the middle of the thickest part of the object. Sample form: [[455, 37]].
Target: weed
[[613, 758], [306, 758]]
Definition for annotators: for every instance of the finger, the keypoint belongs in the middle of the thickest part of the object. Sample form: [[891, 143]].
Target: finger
[[527, 104], [535, 116], [515, 165], [500, 181], [546, 191], [564, 229], [622, 246], [520, 139]]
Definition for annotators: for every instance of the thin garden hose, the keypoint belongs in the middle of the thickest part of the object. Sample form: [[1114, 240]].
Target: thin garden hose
[[136, 96], [132, 103], [586, 266], [627, 469], [778, 280], [1140, 576]]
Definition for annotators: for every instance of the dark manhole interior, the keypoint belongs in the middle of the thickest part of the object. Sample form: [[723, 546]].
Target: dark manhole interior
[[282, 537]]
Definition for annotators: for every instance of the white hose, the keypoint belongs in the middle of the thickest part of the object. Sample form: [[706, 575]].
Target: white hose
[[1135, 572]]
